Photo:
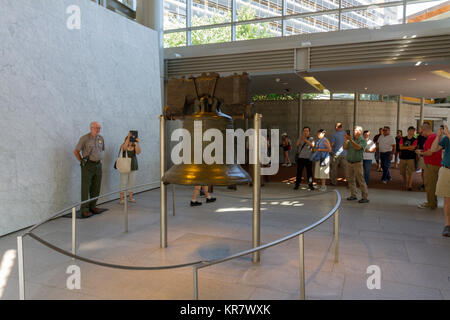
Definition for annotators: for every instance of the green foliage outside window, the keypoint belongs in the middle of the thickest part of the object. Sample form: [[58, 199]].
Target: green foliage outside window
[[216, 35]]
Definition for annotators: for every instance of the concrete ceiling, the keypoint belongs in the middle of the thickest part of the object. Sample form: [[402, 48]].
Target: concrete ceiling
[[288, 83], [386, 80]]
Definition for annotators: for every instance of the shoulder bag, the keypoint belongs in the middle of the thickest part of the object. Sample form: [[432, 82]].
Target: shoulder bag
[[123, 164]]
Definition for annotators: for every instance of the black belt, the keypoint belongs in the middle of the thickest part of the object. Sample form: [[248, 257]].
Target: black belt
[[96, 162], [353, 161]]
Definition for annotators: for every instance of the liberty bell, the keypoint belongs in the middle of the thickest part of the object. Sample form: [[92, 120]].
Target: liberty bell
[[207, 115]]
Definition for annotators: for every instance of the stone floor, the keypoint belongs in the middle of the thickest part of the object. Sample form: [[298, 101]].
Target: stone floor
[[390, 232]]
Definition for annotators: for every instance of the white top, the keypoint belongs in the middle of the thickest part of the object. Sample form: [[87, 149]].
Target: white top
[[369, 155], [386, 142]]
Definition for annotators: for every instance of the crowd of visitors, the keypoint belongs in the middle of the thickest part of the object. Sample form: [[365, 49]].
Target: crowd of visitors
[[355, 154]]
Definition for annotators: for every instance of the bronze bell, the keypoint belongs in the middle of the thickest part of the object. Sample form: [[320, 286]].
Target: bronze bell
[[207, 110]]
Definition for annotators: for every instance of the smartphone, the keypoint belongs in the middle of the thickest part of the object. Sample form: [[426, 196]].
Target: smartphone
[[134, 135]]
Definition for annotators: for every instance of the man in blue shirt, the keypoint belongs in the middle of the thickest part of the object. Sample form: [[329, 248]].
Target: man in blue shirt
[[338, 153], [442, 141]]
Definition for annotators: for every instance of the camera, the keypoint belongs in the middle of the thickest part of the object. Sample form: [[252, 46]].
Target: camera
[[134, 135]]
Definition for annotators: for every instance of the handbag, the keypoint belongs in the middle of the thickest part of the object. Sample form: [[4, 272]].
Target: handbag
[[123, 164]]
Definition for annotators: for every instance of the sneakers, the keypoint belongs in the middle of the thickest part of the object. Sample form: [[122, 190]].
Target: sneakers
[[121, 201], [311, 188], [364, 201], [351, 198], [425, 205], [446, 232], [323, 188], [384, 181], [289, 164], [197, 203], [296, 188]]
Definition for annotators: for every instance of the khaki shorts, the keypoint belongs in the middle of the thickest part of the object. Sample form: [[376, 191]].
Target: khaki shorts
[[443, 184], [421, 163], [407, 165]]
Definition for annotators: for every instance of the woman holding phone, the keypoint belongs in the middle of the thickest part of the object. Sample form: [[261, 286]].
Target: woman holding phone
[[131, 150]]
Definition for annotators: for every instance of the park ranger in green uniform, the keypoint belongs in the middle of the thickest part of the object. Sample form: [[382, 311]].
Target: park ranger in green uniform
[[92, 146]]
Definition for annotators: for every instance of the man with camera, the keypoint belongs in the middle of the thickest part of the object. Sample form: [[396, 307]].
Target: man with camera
[[355, 155], [92, 146]]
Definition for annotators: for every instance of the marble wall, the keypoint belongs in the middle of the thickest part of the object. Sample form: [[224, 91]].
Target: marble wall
[[53, 83]]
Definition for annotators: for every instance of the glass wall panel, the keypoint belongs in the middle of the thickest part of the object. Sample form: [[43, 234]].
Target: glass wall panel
[[343, 96], [253, 9], [174, 14], [313, 24], [434, 10], [371, 18], [356, 3], [175, 39], [212, 35], [369, 96], [258, 30], [207, 12]]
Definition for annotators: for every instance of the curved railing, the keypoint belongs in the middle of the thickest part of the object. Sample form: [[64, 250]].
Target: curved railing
[[195, 264], [334, 211]]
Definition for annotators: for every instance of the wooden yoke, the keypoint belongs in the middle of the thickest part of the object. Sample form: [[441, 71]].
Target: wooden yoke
[[231, 91]]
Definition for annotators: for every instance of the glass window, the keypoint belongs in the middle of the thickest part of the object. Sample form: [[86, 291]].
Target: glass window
[[372, 17], [302, 6], [371, 97], [343, 96], [207, 12], [174, 14], [253, 9], [434, 10], [312, 24], [258, 30], [355, 3], [175, 39], [211, 35]]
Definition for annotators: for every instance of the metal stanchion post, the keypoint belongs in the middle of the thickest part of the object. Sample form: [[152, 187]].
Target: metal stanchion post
[[195, 283], [20, 260], [302, 266], [125, 210], [336, 236], [163, 189], [74, 231], [173, 200], [256, 188]]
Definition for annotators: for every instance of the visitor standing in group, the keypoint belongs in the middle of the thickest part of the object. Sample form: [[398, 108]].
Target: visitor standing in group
[[286, 145], [369, 156], [322, 159], [304, 145], [397, 147], [408, 145], [377, 151], [433, 162], [386, 145], [338, 153]]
